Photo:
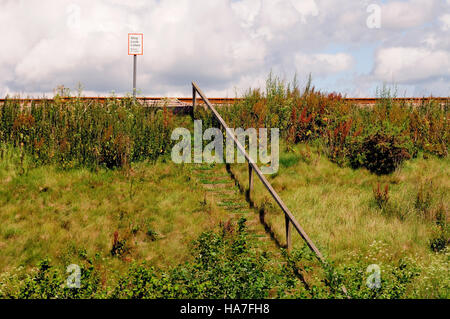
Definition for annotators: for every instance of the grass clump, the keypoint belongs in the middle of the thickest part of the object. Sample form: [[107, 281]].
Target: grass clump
[[381, 197]]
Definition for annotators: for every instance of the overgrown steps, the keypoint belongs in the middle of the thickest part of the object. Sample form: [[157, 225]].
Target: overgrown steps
[[222, 190]]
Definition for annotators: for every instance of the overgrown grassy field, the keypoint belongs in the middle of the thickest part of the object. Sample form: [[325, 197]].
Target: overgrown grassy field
[[63, 214], [369, 185], [338, 208], [94, 185], [147, 231]]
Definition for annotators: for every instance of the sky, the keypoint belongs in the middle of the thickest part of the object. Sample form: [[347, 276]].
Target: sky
[[354, 47]]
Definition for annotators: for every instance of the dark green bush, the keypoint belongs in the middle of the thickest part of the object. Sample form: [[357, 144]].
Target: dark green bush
[[440, 242], [50, 283], [381, 152], [224, 266], [119, 246]]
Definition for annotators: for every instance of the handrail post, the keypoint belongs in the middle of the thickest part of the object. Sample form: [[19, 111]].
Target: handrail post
[[250, 181], [194, 96], [288, 233]]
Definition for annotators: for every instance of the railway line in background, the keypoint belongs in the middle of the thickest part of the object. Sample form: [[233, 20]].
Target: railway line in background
[[184, 105], [182, 102]]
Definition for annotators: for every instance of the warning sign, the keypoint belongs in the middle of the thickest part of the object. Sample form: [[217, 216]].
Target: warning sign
[[135, 43]]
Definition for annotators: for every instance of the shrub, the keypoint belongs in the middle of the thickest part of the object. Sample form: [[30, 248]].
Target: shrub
[[439, 242], [152, 234], [224, 266], [442, 237], [380, 152], [115, 151], [49, 282], [429, 129], [337, 140]]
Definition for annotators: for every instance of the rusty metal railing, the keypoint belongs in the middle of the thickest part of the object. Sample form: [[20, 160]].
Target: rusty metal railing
[[219, 100]]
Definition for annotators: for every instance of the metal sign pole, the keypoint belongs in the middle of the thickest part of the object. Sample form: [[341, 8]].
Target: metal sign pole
[[135, 48], [134, 75]]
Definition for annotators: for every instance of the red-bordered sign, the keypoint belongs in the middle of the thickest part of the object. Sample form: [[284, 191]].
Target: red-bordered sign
[[135, 44]]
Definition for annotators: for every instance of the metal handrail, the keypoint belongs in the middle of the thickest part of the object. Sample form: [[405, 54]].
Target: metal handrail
[[253, 167], [289, 217]]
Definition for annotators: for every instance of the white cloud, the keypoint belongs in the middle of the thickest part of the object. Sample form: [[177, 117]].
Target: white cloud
[[306, 8], [445, 22], [276, 16], [322, 64], [406, 14], [409, 64], [246, 10], [222, 44], [431, 40], [181, 41]]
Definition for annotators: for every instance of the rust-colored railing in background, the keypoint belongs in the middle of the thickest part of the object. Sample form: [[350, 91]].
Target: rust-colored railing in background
[[187, 101]]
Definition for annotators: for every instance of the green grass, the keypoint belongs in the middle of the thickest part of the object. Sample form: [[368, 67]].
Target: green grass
[[97, 188], [337, 209], [70, 216], [64, 214]]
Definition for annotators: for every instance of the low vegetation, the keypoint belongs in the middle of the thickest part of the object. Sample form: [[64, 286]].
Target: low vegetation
[[378, 138], [78, 134], [357, 218], [92, 184]]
